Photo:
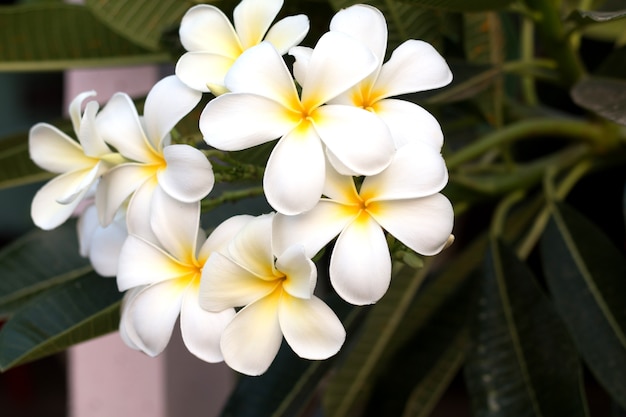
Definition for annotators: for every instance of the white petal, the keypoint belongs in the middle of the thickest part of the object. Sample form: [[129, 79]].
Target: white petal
[[313, 229], [225, 284], [409, 122], [92, 143], [310, 327], [86, 226], [233, 122], [166, 104], [188, 176], [302, 55], [83, 183], [206, 28], [340, 188], [423, 224], [252, 339], [198, 70], [337, 63], [294, 175], [142, 263], [365, 23], [414, 66], [127, 330], [252, 18], [106, 246], [299, 270], [153, 313], [116, 186], [358, 138], [288, 32], [75, 109], [138, 211], [201, 329], [252, 247], [360, 266], [54, 151], [220, 237], [417, 170]]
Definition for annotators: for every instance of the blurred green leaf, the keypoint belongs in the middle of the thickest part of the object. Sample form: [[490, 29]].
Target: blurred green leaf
[[523, 361], [37, 262], [591, 16], [585, 274], [463, 5], [60, 317], [140, 21], [16, 167], [55, 36], [604, 96]]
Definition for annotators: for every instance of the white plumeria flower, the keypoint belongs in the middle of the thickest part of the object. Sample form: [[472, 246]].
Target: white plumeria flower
[[414, 66], [214, 44], [182, 171], [164, 278], [277, 292], [264, 105], [404, 200], [79, 164]]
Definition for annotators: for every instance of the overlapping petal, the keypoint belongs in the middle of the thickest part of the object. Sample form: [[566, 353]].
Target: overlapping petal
[[252, 19], [117, 185], [300, 272], [409, 122], [74, 109], [365, 23], [220, 237], [92, 143], [54, 151], [206, 28], [188, 175], [199, 70], [252, 248], [288, 32]]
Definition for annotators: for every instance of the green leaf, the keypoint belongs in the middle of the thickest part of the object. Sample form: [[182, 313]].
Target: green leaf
[[523, 361], [39, 261], [585, 274], [56, 319], [604, 96], [140, 21], [463, 5], [54, 36], [16, 167]]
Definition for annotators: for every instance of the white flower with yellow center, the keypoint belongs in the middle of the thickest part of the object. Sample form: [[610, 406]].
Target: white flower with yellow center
[[277, 292], [414, 66], [264, 105], [80, 164], [182, 171], [404, 200], [213, 44], [163, 277]]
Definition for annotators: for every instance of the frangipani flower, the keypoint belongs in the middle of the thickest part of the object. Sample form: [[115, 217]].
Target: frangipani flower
[[164, 277], [404, 200], [414, 66], [277, 293], [264, 105], [80, 164], [214, 44], [182, 171]]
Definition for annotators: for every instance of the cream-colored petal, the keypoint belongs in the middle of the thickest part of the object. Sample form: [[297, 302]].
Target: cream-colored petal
[[288, 32], [106, 245], [423, 224], [83, 183], [366, 24], [126, 328], [299, 270], [206, 28], [360, 265], [252, 339], [85, 227], [54, 151], [138, 211], [188, 176], [220, 237], [75, 109], [302, 55], [200, 69], [310, 327], [340, 188], [252, 18], [90, 139], [116, 186], [251, 247]]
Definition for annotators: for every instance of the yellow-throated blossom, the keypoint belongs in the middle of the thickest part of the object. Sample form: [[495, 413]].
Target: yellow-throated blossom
[[163, 278], [276, 290], [213, 44], [413, 66], [80, 164], [264, 105], [403, 199], [182, 171]]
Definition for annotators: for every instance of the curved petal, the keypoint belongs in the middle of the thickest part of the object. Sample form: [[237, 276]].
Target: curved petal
[[340, 188], [88, 135], [358, 138], [337, 63], [310, 327], [225, 284], [220, 237], [54, 151], [116, 186], [365, 23], [299, 270], [126, 328], [313, 229], [251, 247], [84, 181], [206, 28], [188, 176], [106, 245], [201, 329], [86, 227], [233, 122], [423, 224], [252, 18], [252, 339], [360, 266], [414, 66], [417, 170], [294, 174], [409, 122], [143, 263], [75, 109], [166, 104], [302, 55], [153, 313], [138, 211], [288, 32], [200, 69]]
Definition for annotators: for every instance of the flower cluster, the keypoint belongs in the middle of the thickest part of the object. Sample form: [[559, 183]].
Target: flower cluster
[[351, 162]]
